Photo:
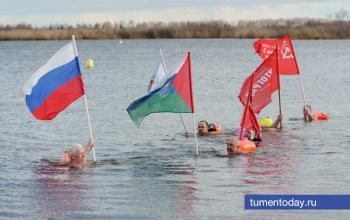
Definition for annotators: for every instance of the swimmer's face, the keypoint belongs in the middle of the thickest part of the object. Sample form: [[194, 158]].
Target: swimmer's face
[[78, 158], [232, 148], [202, 128], [247, 133]]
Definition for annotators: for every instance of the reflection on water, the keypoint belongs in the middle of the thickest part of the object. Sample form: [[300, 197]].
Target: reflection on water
[[58, 190], [270, 172], [163, 182], [273, 168]]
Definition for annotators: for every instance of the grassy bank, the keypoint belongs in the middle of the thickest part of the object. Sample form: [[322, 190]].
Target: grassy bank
[[297, 28]]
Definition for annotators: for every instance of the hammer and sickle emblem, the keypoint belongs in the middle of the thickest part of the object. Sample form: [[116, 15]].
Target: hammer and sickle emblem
[[286, 52]]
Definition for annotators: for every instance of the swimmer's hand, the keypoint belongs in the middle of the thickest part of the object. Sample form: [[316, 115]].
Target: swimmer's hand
[[90, 145], [278, 121], [280, 117], [306, 110]]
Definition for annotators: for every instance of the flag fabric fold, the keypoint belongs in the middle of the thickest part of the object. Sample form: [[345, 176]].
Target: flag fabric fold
[[158, 77], [54, 85], [175, 95], [264, 82], [287, 60], [248, 119], [250, 122]]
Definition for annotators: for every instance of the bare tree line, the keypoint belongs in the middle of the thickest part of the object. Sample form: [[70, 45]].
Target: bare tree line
[[336, 26]]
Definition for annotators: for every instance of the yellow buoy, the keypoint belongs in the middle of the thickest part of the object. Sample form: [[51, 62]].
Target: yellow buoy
[[266, 122], [89, 63]]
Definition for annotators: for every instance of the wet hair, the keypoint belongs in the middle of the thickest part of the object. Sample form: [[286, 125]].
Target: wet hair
[[75, 148], [205, 122], [235, 141]]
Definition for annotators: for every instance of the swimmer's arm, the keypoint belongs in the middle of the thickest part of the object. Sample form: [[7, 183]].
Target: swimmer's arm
[[277, 121], [89, 147], [308, 116]]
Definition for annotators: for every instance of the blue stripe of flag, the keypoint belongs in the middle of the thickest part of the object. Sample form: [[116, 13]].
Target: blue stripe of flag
[[51, 81]]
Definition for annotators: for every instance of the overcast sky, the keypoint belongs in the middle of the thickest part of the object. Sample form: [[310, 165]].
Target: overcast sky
[[43, 12]]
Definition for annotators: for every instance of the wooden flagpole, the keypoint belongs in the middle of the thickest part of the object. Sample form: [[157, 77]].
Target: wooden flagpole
[[279, 85], [85, 101]]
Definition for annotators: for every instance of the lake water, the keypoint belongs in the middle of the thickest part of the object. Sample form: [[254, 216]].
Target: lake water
[[152, 172]]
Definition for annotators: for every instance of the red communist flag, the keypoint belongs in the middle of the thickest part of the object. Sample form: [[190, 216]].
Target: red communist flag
[[265, 82], [287, 61], [264, 47]]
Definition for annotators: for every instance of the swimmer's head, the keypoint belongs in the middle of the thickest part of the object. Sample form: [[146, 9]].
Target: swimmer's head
[[76, 153], [232, 146], [211, 127], [307, 108], [202, 127]]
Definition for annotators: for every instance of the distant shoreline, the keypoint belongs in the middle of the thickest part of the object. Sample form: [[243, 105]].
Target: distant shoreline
[[297, 28]]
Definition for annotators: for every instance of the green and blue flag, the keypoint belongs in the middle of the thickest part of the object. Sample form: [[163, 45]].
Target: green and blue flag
[[174, 95]]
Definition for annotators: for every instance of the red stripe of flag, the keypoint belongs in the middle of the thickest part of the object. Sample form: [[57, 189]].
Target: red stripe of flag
[[60, 99], [183, 83]]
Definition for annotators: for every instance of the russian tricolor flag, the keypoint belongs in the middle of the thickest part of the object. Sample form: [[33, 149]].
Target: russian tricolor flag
[[55, 85]]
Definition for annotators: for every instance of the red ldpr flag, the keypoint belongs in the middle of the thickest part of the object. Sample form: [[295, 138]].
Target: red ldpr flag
[[286, 56], [265, 82], [249, 121]]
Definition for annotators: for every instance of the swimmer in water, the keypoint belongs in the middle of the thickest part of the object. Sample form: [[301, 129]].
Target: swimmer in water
[[232, 147], [308, 115], [275, 124], [311, 116], [76, 156], [250, 134], [204, 129]]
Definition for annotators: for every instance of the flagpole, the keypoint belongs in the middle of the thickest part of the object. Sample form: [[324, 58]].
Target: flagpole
[[301, 81], [85, 101], [279, 85], [302, 87], [192, 104], [163, 62], [195, 134]]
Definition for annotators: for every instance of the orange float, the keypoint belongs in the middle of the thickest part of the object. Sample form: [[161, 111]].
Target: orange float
[[214, 129], [217, 131], [65, 158], [321, 116], [247, 147]]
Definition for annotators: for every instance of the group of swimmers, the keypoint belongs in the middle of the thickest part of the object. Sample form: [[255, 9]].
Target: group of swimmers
[[234, 144], [76, 156]]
